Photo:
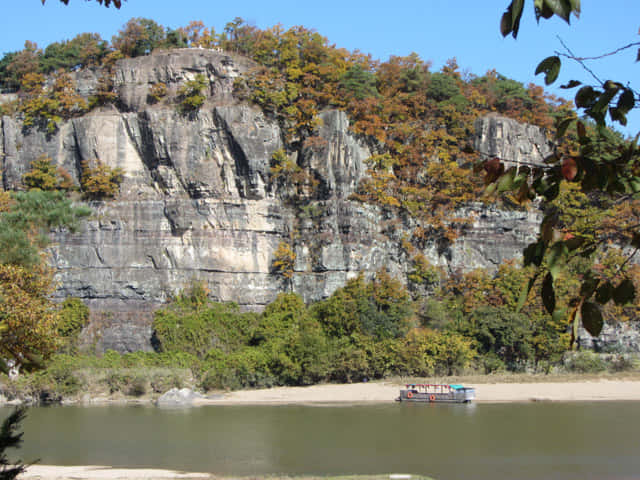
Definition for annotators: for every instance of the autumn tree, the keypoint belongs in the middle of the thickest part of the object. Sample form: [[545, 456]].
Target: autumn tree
[[85, 49], [284, 259], [46, 106], [27, 316], [139, 36], [100, 181], [44, 175], [19, 64]]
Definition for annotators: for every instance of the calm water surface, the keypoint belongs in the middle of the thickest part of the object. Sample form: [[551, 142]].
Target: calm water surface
[[481, 441]]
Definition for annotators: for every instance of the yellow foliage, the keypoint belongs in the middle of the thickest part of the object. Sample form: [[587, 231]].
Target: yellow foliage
[[101, 181], [27, 316], [284, 259]]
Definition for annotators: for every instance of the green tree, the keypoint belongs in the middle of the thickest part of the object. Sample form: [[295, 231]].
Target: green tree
[[381, 309], [26, 220], [85, 49], [359, 83], [10, 438]]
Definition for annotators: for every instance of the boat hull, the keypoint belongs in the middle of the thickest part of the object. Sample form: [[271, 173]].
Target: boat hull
[[465, 395]]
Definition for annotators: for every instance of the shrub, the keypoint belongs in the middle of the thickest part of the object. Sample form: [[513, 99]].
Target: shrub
[[191, 96], [499, 331], [284, 259], [61, 378], [193, 325], [381, 308], [163, 381], [137, 386], [101, 181], [423, 272], [157, 92], [46, 106], [73, 316], [429, 352], [584, 362], [492, 364], [44, 175]]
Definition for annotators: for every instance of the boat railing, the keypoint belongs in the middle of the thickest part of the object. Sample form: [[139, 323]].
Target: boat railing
[[430, 387]]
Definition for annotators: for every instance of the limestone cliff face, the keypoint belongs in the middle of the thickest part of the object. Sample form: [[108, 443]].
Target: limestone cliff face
[[196, 202]]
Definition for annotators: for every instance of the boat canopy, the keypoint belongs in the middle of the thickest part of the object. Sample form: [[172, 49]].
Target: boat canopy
[[457, 387]]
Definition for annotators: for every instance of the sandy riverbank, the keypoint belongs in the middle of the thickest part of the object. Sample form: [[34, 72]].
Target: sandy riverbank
[[52, 472], [380, 392], [91, 472]]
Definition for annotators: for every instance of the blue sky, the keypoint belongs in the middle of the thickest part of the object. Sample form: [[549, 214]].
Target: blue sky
[[435, 29]]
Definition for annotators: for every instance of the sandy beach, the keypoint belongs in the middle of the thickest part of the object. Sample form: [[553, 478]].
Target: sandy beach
[[381, 392], [93, 472]]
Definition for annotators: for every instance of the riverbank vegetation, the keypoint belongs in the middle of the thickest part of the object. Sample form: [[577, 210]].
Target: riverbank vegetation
[[367, 330]]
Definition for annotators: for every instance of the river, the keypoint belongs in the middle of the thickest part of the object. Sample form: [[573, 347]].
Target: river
[[449, 442]]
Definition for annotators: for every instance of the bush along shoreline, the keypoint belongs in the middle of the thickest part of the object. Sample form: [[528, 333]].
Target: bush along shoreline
[[366, 330]]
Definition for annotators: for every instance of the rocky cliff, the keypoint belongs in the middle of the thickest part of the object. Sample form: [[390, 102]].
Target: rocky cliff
[[196, 201]]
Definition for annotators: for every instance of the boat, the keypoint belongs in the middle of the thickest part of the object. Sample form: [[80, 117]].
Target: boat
[[432, 393]]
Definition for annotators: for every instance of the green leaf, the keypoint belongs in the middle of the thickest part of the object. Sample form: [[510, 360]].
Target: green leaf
[[585, 97], [603, 101], [604, 293], [626, 101], [490, 189], [550, 66], [534, 253], [556, 258], [4, 368], [592, 318], [506, 182], [558, 315], [547, 225], [562, 127], [575, 6], [589, 285], [505, 23], [574, 243], [552, 192], [524, 294], [562, 8], [510, 22], [618, 116], [624, 292], [548, 294], [634, 182], [571, 84]]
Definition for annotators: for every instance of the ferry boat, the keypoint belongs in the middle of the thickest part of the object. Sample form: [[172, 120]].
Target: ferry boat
[[432, 393]]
